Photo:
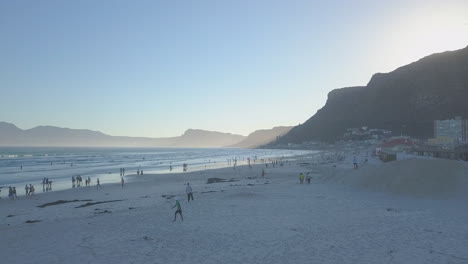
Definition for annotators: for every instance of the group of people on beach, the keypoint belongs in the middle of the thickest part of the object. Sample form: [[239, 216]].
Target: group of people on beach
[[29, 190], [46, 184], [12, 193], [78, 179], [139, 172], [189, 192]]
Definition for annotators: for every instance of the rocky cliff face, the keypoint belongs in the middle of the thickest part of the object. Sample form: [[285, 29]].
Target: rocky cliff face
[[406, 100]]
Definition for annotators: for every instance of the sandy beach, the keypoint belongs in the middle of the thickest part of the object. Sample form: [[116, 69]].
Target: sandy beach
[[343, 216]]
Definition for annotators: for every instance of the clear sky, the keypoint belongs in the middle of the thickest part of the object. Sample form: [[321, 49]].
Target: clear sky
[[156, 68]]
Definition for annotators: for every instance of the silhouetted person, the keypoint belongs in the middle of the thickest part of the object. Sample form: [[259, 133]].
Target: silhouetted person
[[189, 192], [178, 211]]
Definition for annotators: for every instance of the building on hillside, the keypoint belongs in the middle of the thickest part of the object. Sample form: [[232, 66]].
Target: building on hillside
[[366, 133]]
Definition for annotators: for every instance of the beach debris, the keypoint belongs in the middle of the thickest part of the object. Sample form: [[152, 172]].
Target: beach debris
[[168, 196], [103, 212], [209, 192], [147, 238], [216, 180], [32, 221], [62, 202], [90, 204]]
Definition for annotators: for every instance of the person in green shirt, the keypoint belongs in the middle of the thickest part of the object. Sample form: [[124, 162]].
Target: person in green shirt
[[178, 211], [301, 178]]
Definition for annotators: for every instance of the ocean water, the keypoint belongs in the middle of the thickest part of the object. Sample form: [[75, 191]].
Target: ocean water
[[29, 165]]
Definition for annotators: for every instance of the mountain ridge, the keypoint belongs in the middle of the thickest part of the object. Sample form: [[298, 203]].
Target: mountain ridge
[[405, 100], [11, 135]]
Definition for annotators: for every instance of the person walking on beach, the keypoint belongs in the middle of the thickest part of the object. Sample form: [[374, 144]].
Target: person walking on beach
[[98, 185], [308, 178], [263, 173], [301, 178], [26, 188], [49, 184], [14, 194], [189, 192], [355, 162], [10, 192], [122, 181], [31, 190], [178, 211]]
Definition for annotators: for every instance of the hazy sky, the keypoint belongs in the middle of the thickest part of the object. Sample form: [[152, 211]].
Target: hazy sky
[[156, 68]]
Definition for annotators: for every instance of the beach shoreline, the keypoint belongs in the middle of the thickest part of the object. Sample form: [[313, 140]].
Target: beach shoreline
[[244, 219]]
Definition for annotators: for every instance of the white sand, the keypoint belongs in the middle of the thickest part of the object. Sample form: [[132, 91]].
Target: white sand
[[435, 178], [234, 222]]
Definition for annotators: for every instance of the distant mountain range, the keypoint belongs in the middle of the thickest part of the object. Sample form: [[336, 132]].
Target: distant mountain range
[[10, 135], [262, 137], [405, 101]]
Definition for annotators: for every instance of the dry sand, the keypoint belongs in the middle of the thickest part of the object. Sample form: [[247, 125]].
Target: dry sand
[[248, 219]]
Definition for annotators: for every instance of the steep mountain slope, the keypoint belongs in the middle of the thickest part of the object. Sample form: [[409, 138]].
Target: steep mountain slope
[[406, 100]]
